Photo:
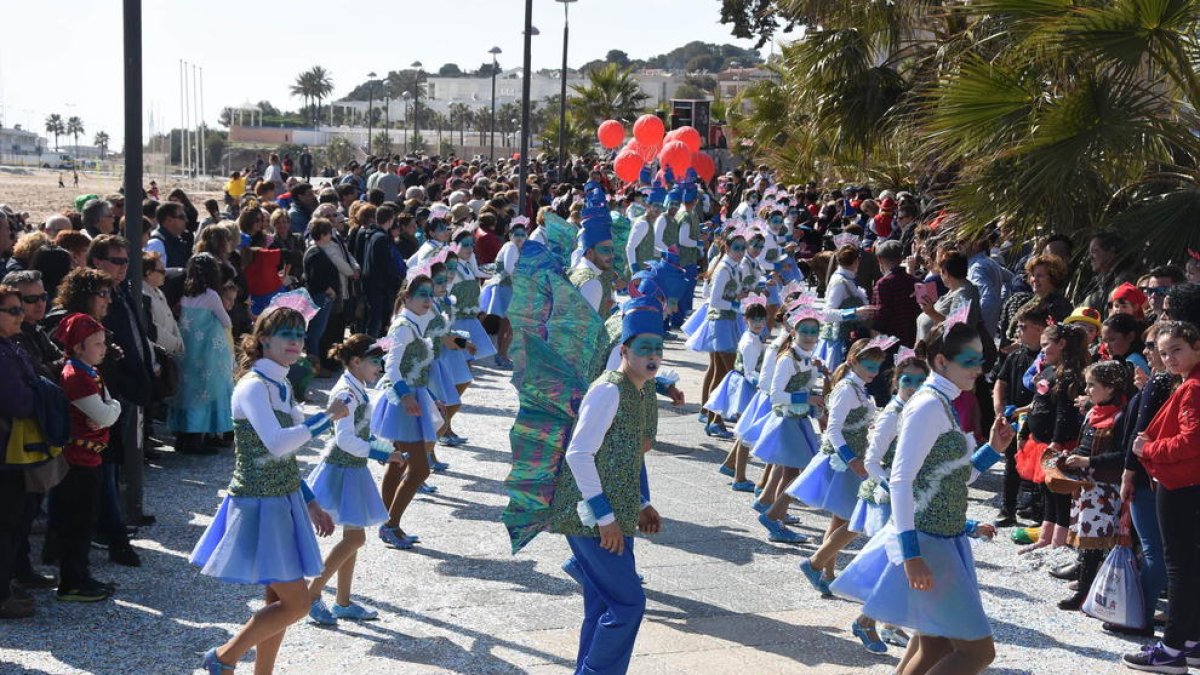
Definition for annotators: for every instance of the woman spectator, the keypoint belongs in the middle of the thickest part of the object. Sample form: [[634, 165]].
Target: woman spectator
[[1046, 274], [323, 283], [84, 290], [952, 266], [16, 401], [76, 244], [26, 247], [190, 212], [167, 335]]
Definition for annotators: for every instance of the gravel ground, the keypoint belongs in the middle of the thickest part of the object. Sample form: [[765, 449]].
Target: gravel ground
[[721, 599]]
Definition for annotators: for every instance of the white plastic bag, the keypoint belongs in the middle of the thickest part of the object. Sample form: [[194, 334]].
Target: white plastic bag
[[1116, 593]]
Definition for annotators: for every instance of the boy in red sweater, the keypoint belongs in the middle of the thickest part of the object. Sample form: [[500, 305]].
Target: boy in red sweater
[[77, 498]]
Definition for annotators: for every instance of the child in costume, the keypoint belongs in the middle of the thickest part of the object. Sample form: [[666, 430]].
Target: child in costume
[[718, 334], [343, 484], [874, 507], [464, 289], [598, 499], [831, 480], [201, 406], [843, 293], [497, 293], [266, 495], [407, 414], [76, 500], [788, 440], [1095, 511], [443, 374], [589, 274], [733, 394], [918, 571]]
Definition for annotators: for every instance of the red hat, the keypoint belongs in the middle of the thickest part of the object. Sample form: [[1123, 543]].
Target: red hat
[[75, 328], [1129, 293]]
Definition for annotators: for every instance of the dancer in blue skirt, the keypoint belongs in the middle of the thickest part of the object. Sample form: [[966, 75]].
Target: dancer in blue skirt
[[918, 571], [830, 481], [733, 394], [718, 335], [497, 292], [843, 293], [343, 484], [263, 530], [788, 440], [464, 287]]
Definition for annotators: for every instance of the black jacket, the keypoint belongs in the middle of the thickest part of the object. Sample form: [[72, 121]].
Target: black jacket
[[129, 376], [380, 275], [47, 357], [320, 273]]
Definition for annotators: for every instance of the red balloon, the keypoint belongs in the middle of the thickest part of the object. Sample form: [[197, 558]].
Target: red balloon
[[704, 166], [627, 166], [610, 133], [647, 153], [648, 130], [689, 136], [677, 156]]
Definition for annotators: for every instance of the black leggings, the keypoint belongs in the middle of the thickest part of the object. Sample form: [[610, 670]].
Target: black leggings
[[1178, 513], [1057, 508]]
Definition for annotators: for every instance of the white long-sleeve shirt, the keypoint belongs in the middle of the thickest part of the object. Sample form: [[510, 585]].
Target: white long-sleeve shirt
[[685, 235], [596, 414], [660, 228], [766, 373], [354, 393], [786, 368], [593, 290], [639, 231], [726, 271], [842, 286], [428, 248], [750, 348], [256, 401], [850, 393], [883, 432], [507, 258], [401, 334], [102, 409], [925, 417]]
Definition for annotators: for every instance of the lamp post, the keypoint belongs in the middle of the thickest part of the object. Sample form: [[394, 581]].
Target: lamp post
[[405, 96], [416, 107], [562, 98], [494, 51], [523, 171], [370, 107]]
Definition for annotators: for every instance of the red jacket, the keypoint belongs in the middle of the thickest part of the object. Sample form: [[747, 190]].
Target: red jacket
[[1172, 453]]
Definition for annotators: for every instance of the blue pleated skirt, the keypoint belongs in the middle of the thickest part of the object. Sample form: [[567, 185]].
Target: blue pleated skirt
[[693, 322], [259, 540], [732, 397], [951, 609], [715, 335], [831, 353], [483, 344], [455, 361], [495, 299], [390, 422], [773, 297], [441, 383], [821, 487], [786, 441], [348, 494], [749, 425], [869, 518]]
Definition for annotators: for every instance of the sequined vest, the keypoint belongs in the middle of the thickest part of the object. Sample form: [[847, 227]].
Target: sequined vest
[[940, 489], [256, 472], [416, 359], [645, 249], [466, 299], [689, 255], [671, 234], [739, 363], [362, 429], [578, 276], [437, 329], [618, 463], [855, 428]]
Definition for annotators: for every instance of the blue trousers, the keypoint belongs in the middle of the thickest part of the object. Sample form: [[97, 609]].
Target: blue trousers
[[689, 294], [613, 605], [1154, 568]]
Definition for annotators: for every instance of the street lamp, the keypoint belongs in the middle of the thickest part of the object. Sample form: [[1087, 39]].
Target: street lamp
[[494, 51], [562, 98], [523, 171], [405, 96], [370, 107], [416, 109]]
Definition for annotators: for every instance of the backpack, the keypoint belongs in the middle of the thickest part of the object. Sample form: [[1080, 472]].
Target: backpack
[[51, 410]]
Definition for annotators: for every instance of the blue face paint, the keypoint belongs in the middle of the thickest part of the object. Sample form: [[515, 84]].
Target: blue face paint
[[375, 361], [808, 330], [605, 249], [518, 234], [466, 242], [737, 248], [870, 366], [969, 359], [294, 334], [440, 280], [911, 381], [646, 346], [423, 293], [441, 227]]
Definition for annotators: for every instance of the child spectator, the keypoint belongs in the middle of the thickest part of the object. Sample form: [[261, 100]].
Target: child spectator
[[1008, 393]]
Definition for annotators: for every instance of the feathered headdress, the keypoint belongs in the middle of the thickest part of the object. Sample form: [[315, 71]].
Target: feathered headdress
[[426, 267], [752, 300], [845, 239], [519, 221], [803, 313], [298, 300], [959, 315], [903, 354], [883, 342]]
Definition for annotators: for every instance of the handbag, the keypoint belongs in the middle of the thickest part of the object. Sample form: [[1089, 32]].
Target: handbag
[[1116, 593], [166, 382], [1058, 478], [41, 478]]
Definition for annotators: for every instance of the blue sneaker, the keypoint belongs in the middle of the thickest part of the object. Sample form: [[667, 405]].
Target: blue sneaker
[[725, 471], [718, 431], [1155, 659], [815, 578], [894, 636], [780, 534], [438, 467], [702, 418], [320, 614], [743, 486], [459, 440], [869, 638], [759, 506], [427, 489], [212, 666], [789, 519], [354, 612], [390, 537], [757, 491], [571, 567]]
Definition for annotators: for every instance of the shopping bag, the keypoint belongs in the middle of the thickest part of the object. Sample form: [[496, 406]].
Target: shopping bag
[[1116, 593]]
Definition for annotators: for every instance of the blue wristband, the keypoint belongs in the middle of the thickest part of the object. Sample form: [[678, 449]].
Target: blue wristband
[[306, 492], [600, 506], [846, 454], [848, 314], [661, 386], [644, 482], [971, 527], [378, 455], [985, 457], [401, 389], [909, 546], [317, 423]]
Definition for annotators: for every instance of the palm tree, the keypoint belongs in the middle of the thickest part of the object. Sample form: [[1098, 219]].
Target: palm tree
[[304, 88], [322, 86], [75, 127], [482, 120], [579, 137], [101, 141], [1061, 116], [460, 116], [339, 151], [610, 93], [54, 125]]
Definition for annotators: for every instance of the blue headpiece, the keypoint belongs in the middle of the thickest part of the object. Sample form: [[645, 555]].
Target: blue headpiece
[[592, 185], [690, 191], [669, 175], [658, 194], [675, 195], [669, 278], [596, 229], [639, 316], [671, 257], [645, 176], [690, 175]]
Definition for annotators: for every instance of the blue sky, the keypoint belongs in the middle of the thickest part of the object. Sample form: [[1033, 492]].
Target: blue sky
[[65, 56]]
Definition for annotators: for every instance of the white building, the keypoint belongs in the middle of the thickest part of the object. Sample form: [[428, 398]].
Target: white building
[[17, 141]]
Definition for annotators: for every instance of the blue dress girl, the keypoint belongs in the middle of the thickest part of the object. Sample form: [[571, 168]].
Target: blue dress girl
[[202, 403]]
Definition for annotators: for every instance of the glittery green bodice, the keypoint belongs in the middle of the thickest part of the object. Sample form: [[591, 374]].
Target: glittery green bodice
[[618, 462], [940, 489], [362, 429], [729, 294], [256, 472], [466, 299], [854, 430], [645, 250]]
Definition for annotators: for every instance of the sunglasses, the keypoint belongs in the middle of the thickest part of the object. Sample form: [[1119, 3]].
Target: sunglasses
[[15, 310], [34, 299], [293, 334], [911, 381], [117, 261], [1157, 290]]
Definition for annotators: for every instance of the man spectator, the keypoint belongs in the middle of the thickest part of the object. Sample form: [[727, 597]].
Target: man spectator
[[47, 357], [304, 202], [897, 308], [98, 218], [381, 275], [306, 164], [347, 195], [1161, 280], [55, 224], [989, 279], [166, 239], [128, 377], [1104, 251], [354, 176], [387, 180]]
